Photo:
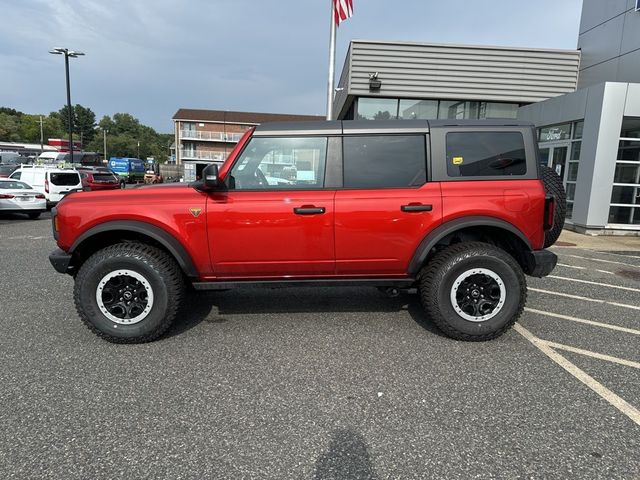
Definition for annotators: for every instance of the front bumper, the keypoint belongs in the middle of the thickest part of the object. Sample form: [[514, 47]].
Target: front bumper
[[540, 263], [60, 260]]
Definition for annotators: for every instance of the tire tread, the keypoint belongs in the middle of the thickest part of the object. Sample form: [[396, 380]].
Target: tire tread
[[158, 260], [431, 273]]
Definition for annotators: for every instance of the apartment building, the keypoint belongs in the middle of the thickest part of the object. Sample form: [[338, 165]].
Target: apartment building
[[210, 135]]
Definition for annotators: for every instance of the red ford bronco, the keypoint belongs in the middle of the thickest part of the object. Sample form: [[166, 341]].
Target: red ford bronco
[[459, 209]]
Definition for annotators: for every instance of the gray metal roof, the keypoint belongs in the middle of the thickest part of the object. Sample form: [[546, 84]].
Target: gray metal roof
[[456, 72], [374, 126]]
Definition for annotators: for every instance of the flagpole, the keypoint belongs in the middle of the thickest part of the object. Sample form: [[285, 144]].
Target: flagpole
[[332, 63]]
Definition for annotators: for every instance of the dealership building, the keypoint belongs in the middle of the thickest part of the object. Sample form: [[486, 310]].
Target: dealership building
[[585, 103]]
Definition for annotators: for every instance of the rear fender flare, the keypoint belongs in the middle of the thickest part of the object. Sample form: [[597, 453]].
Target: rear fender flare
[[452, 226]]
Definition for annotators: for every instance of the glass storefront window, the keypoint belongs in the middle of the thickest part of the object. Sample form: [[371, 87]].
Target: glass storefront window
[[498, 110], [627, 195], [575, 151], [458, 110], [569, 212], [629, 150], [624, 215], [377, 109], [626, 173], [577, 129], [572, 174], [555, 133], [571, 191], [630, 128], [418, 109]]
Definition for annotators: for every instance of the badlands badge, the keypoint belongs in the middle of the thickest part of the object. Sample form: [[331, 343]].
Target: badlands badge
[[195, 212]]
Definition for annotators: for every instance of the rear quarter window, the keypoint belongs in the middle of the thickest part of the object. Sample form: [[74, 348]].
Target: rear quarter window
[[64, 179], [485, 154]]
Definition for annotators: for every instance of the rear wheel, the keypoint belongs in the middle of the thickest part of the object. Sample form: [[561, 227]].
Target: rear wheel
[[129, 292], [123, 184], [553, 186], [473, 291]]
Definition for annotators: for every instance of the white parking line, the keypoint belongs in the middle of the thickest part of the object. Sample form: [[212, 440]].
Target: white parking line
[[610, 397], [584, 268], [586, 299], [600, 260], [595, 283], [588, 353], [616, 254], [582, 320]]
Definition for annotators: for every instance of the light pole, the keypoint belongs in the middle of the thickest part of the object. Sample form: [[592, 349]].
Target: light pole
[[68, 53], [104, 135]]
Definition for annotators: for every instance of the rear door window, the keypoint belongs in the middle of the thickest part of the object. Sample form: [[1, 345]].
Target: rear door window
[[384, 161], [64, 179], [485, 154]]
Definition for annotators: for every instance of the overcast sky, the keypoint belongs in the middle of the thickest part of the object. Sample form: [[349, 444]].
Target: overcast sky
[[151, 57]]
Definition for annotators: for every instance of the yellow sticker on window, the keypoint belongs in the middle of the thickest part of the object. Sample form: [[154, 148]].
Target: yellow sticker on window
[[457, 160]]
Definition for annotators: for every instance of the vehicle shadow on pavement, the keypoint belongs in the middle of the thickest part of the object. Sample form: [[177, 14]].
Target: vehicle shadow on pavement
[[14, 218], [346, 457], [199, 306]]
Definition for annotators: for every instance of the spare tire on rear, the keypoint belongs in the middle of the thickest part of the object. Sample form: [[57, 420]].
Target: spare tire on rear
[[553, 186]]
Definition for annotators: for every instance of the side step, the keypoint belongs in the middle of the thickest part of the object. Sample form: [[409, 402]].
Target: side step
[[356, 282]]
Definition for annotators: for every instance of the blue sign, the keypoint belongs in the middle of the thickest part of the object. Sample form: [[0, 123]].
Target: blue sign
[[637, 5]]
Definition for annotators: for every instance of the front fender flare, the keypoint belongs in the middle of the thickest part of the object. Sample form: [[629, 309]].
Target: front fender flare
[[164, 238]]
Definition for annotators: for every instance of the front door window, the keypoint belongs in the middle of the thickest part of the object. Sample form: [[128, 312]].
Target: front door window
[[280, 163]]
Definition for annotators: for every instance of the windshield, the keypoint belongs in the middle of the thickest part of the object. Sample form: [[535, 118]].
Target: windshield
[[7, 169], [14, 185]]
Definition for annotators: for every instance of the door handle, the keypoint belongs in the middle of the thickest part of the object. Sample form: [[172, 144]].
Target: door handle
[[308, 210], [416, 208]]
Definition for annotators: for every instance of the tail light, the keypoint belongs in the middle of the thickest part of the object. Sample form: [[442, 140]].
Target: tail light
[[46, 185], [40, 196], [549, 211], [6, 196]]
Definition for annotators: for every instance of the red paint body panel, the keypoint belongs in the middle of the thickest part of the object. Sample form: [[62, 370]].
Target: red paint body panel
[[518, 202], [257, 234], [165, 207], [373, 235]]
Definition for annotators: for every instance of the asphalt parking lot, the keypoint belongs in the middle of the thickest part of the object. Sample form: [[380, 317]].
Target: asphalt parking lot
[[321, 383]]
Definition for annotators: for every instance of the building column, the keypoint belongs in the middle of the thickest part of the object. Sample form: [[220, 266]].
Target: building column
[[600, 139]]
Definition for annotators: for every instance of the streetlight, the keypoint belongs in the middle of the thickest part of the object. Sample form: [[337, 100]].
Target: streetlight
[[68, 53], [104, 134]]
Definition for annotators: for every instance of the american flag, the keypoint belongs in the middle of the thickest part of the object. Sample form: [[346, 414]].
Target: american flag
[[343, 9]]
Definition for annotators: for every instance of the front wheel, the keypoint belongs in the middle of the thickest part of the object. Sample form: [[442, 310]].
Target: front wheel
[[473, 291], [129, 292]]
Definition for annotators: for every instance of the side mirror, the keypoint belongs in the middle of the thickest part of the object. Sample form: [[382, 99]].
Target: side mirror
[[210, 177]]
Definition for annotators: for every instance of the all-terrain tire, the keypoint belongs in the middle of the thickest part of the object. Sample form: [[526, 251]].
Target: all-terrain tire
[[553, 186], [161, 275], [438, 279]]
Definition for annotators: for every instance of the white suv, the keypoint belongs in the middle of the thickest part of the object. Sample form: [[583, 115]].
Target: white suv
[[55, 183]]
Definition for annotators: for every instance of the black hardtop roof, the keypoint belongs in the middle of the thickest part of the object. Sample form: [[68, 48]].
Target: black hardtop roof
[[337, 127]]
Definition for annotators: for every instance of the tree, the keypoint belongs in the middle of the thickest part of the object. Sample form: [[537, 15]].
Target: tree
[[84, 121], [8, 127]]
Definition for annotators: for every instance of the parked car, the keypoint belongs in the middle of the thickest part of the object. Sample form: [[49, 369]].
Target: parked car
[[18, 197], [55, 183], [7, 169], [460, 210], [98, 178]]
